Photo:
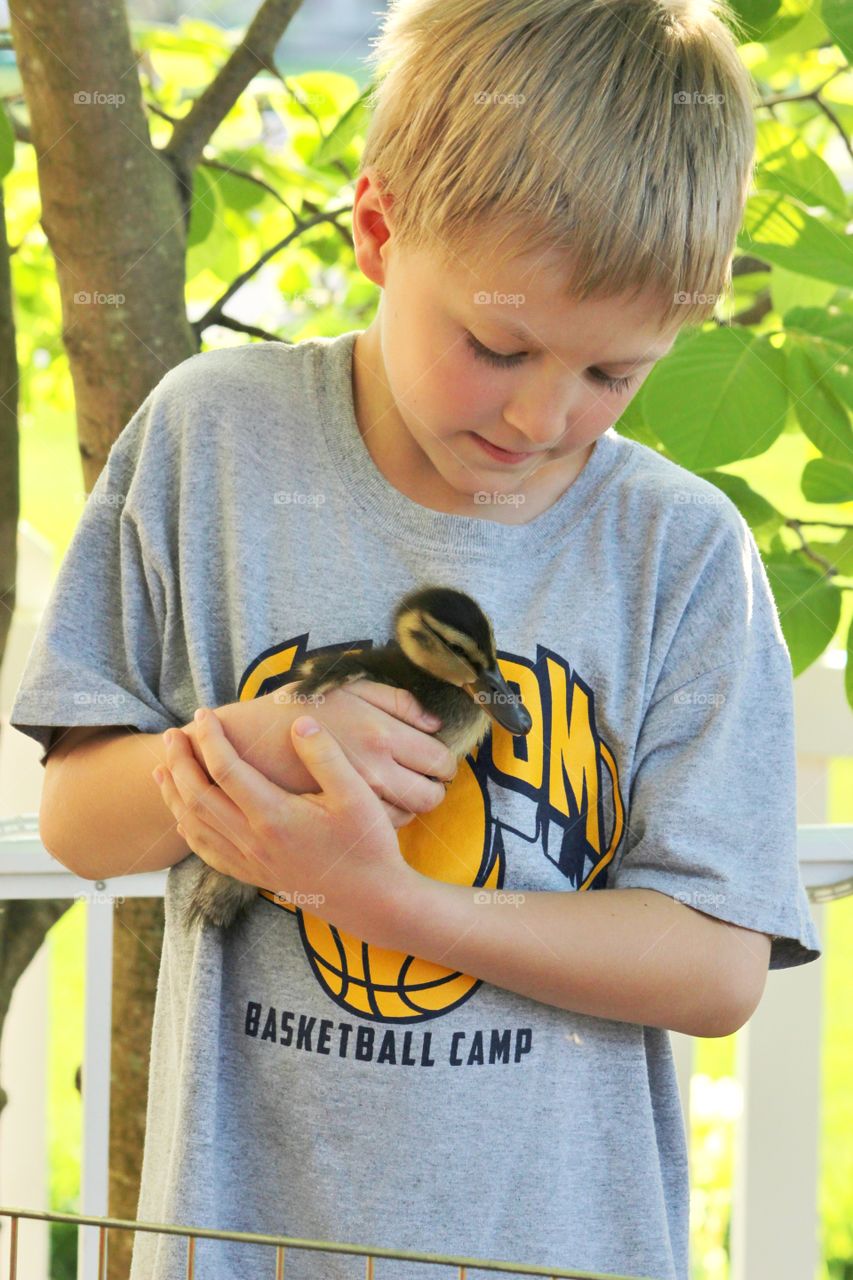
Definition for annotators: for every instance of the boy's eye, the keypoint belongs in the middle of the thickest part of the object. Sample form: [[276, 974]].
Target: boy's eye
[[507, 362], [493, 357], [614, 384]]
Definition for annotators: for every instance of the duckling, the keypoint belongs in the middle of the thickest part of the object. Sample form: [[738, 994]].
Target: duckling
[[444, 653]]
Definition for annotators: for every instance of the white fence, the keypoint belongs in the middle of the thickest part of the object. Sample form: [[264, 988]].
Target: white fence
[[775, 1212]]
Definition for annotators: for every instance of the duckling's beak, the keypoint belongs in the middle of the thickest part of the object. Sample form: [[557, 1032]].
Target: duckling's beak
[[496, 698]]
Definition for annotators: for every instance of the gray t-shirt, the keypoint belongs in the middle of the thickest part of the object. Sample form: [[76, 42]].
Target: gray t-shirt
[[239, 523]]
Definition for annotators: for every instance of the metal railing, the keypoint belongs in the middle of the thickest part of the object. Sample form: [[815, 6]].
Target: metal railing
[[281, 1243], [825, 852]]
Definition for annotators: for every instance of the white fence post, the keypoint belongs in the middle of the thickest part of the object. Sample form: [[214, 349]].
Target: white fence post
[[94, 1170], [775, 1228]]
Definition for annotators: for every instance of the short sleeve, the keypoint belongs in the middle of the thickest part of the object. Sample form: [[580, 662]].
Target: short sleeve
[[712, 803], [96, 655]]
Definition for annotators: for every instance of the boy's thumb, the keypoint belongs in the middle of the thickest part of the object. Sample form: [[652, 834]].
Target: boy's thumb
[[306, 727]]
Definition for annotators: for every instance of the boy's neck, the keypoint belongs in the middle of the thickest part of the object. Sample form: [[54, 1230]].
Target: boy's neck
[[405, 466]]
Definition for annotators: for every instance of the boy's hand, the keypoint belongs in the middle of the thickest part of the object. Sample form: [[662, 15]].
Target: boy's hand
[[381, 730], [337, 848]]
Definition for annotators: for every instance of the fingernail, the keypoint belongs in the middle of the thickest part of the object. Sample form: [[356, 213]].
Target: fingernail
[[305, 726], [199, 715], [431, 720], [158, 775]]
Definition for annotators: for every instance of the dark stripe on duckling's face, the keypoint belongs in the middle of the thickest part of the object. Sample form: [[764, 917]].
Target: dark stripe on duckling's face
[[429, 651]]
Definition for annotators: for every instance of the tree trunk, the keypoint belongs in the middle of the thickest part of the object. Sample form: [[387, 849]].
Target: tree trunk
[[111, 211], [115, 211], [136, 962]]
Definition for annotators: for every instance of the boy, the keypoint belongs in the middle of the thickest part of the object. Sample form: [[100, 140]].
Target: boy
[[476, 1073]]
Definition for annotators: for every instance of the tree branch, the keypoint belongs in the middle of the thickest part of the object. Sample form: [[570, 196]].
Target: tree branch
[[213, 313], [746, 264], [254, 52], [757, 311], [813, 95], [227, 323]]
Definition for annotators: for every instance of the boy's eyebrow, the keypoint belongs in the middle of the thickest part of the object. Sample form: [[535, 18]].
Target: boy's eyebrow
[[523, 335]]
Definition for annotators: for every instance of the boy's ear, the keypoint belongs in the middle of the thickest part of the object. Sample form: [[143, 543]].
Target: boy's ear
[[371, 225]]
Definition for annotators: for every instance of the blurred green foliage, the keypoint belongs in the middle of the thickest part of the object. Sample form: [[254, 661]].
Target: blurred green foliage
[[761, 409]]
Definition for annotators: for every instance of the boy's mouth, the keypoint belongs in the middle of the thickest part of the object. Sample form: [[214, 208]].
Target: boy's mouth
[[500, 455]]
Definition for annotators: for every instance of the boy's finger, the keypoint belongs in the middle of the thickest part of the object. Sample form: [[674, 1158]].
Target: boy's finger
[[250, 790], [327, 762], [205, 798], [401, 703]]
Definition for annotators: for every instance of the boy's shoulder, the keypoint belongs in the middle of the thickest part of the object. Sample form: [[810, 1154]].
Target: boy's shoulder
[[681, 501], [218, 399], [240, 368]]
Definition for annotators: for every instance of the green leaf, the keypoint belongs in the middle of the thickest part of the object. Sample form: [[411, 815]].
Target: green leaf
[[718, 397], [203, 211], [352, 123], [789, 291], [787, 164], [809, 607], [756, 511], [756, 15], [831, 324], [797, 29], [838, 20], [7, 143], [822, 416], [827, 480], [632, 423], [239, 193], [780, 231], [839, 552]]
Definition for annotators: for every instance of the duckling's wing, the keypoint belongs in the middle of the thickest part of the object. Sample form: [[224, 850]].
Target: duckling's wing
[[386, 664], [324, 671]]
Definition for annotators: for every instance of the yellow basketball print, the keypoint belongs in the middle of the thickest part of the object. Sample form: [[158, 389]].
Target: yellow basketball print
[[449, 844]]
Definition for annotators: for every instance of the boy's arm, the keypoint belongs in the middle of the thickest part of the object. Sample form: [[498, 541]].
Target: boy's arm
[[634, 955], [102, 814]]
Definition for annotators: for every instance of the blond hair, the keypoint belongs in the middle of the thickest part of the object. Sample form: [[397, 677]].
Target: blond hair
[[621, 131]]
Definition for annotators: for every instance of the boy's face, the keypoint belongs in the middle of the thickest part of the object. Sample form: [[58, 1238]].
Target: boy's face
[[425, 397]]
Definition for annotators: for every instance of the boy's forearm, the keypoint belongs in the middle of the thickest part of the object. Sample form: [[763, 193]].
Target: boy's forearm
[[102, 813], [633, 955]]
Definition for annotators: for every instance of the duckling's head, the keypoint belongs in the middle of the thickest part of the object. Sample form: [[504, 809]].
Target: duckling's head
[[446, 633]]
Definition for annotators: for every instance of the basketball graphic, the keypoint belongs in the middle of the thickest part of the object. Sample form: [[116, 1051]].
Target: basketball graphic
[[389, 985], [460, 841]]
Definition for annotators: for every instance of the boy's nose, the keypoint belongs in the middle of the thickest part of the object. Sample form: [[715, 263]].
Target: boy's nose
[[541, 417]]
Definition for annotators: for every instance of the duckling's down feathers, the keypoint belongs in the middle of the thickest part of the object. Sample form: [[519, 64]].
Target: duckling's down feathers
[[463, 722]]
